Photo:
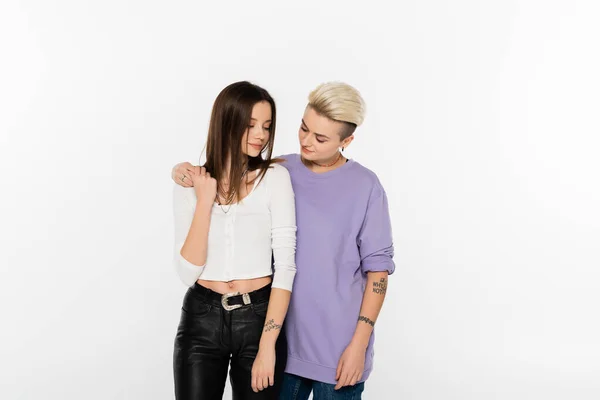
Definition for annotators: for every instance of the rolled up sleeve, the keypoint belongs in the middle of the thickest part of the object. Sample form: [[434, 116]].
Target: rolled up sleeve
[[375, 241]]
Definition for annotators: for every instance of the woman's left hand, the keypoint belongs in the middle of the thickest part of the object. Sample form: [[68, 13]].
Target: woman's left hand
[[351, 365], [263, 369]]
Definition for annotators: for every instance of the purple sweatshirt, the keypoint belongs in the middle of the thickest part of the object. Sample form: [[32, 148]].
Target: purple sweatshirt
[[343, 232]]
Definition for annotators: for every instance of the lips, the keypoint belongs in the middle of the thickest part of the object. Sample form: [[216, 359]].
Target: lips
[[304, 149], [256, 146]]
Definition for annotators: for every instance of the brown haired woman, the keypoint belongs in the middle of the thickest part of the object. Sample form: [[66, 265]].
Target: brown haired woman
[[237, 218]]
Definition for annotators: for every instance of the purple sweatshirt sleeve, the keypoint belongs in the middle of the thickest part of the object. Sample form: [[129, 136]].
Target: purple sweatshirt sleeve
[[375, 243]]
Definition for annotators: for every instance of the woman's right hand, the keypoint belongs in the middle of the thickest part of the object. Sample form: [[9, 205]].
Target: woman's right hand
[[182, 174], [205, 187]]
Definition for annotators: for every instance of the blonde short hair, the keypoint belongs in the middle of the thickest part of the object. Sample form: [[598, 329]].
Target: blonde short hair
[[340, 102]]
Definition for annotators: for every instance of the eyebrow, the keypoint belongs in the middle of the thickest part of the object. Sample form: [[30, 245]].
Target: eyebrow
[[316, 133], [254, 119]]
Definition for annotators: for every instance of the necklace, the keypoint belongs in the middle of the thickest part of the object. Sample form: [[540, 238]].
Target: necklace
[[329, 165], [222, 209], [231, 204]]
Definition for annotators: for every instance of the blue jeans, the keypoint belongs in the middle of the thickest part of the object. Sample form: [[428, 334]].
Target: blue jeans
[[298, 388]]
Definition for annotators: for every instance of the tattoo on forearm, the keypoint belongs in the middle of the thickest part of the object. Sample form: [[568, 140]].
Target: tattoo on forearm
[[380, 287], [366, 320], [270, 325]]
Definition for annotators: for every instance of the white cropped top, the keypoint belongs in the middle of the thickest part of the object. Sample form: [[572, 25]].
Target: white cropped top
[[243, 237]]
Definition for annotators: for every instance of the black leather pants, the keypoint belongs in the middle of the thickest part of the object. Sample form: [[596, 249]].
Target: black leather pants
[[210, 337]]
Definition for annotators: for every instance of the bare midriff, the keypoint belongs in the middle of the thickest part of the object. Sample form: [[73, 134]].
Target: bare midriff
[[240, 285]]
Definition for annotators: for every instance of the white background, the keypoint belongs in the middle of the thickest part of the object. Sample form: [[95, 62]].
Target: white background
[[482, 125]]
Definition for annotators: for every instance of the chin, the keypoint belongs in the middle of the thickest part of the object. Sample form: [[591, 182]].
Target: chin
[[308, 156], [253, 154]]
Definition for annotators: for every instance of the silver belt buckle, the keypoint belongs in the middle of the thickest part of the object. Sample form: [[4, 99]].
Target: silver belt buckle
[[226, 296]]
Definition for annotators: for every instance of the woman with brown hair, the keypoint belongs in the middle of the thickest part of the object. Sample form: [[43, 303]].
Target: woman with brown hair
[[238, 218]]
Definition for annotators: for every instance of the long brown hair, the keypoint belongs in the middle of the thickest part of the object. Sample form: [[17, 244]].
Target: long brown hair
[[229, 121]]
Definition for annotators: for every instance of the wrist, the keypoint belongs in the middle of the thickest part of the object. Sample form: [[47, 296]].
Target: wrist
[[268, 340], [204, 205], [362, 334], [361, 341]]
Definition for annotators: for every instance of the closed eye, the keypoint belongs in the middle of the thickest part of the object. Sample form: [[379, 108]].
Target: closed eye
[[320, 138]]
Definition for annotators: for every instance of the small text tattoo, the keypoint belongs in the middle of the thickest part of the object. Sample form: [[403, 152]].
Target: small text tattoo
[[380, 287], [367, 320], [270, 325]]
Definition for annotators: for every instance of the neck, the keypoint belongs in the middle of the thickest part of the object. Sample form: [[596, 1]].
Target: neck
[[227, 168], [223, 185], [326, 165]]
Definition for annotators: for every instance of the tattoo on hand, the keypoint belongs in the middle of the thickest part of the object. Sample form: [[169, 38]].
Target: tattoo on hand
[[270, 325], [367, 320], [380, 287]]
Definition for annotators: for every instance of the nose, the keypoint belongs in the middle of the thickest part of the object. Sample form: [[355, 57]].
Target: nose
[[259, 132], [305, 139]]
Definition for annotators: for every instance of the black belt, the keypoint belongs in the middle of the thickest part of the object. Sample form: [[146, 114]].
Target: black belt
[[231, 301]]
